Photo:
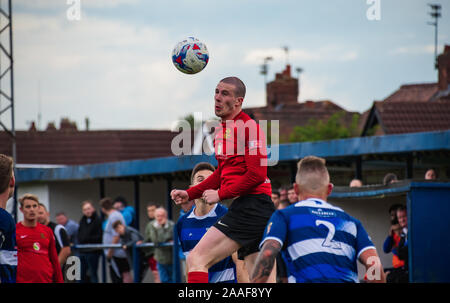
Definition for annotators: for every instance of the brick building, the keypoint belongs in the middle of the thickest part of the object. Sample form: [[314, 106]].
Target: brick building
[[414, 107]]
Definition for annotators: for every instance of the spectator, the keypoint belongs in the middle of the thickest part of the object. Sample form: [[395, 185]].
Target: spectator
[[60, 233], [128, 212], [401, 274], [392, 240], [150, 251], [284, 194], [36, 249], [314, 256], [8, 264], [128, 237], [276, 198], [89, 232], [430, 174], [356, 183], [292, 196], [119, 267], [161, 230], [390, 178], [70, 226]]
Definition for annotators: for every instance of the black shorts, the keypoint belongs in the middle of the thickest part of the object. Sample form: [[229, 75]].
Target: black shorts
[[246, 221], [122, 264]]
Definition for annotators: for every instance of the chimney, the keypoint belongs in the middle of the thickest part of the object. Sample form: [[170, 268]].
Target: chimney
[[282, 90], [51, 126], [444, 68], [32, 127], [67, 125]]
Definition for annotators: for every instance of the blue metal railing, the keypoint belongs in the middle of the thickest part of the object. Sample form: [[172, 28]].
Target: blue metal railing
[[136, 257]]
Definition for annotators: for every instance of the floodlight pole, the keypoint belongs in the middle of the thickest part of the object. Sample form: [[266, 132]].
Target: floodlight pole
[[436, 14], [6, 34]]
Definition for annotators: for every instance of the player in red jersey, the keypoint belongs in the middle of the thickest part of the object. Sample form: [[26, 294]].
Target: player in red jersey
[[37, 258], [240, 150]]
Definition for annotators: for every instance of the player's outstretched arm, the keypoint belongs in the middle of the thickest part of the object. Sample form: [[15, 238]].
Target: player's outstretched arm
[[179, 196], [265, 261]]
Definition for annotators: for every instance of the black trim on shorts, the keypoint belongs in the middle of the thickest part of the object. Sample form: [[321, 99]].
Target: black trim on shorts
[[246, 221]]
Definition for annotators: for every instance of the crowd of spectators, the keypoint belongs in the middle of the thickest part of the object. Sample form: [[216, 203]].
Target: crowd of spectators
[[115, 223]]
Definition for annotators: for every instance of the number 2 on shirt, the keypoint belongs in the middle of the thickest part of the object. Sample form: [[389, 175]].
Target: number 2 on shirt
[[329, 242]]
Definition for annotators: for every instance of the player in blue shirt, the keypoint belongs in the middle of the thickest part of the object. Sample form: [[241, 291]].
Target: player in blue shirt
[[193, 225], [8, 249], [322, 242]]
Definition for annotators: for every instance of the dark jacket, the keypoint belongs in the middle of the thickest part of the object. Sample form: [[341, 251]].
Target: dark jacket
[[90, 230]]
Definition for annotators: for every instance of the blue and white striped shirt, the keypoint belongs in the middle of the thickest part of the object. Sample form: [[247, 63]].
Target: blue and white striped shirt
[[322, 242], [191, 229], [8, 250]]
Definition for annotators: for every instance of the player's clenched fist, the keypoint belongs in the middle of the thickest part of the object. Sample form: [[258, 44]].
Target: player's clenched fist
[[211, 196], [179, 196]]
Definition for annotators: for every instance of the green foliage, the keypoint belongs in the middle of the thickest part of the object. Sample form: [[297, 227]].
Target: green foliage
[[318, 130]]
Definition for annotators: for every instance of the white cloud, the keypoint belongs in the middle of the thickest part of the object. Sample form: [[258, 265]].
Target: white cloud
[[413, 50], [327, 53], [113, 72], [52, 4]]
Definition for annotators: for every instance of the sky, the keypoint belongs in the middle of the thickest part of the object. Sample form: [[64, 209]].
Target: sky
[[114, 66]]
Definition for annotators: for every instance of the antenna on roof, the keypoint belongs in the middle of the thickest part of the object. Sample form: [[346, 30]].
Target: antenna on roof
[[436, 14], [286, 50], [265, 68], [39, 115]]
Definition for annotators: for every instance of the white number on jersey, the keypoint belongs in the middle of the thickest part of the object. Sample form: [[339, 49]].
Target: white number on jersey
[[329, 242]]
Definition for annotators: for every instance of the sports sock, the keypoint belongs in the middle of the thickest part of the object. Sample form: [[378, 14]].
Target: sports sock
[[197, 277]]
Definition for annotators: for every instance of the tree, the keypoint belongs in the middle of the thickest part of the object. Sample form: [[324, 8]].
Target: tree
[[333, 128]]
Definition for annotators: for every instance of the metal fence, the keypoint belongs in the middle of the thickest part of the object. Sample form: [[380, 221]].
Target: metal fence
[[136, 261]]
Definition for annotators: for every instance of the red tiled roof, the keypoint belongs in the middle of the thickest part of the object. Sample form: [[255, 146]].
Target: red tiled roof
[[291, 115], [414, 93], [403, 117], [85, 147]]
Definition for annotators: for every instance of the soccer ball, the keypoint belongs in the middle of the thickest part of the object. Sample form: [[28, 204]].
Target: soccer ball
[[190, 56]]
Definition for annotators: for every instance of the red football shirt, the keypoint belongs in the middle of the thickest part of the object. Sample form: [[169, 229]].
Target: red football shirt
[[37, 260], [241, 152]]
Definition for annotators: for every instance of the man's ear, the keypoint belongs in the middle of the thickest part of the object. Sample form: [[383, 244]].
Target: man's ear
[[296, 189], [12, 181], [330, 188], [239, 101]]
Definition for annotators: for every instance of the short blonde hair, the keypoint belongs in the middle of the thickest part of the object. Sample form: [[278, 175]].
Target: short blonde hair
[[312, 174], [28, 197]]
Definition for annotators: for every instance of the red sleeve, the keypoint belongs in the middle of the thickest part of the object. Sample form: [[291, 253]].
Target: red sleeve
[[53, 256], [212, 182], [255, 158]]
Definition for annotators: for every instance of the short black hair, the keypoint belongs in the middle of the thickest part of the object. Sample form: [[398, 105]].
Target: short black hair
[[394, 207], [402, 208], [152, 203], [276, 193], [106, 203], [239, 86], [201, 166], [389, 178], [121, 199], [117, 223]]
